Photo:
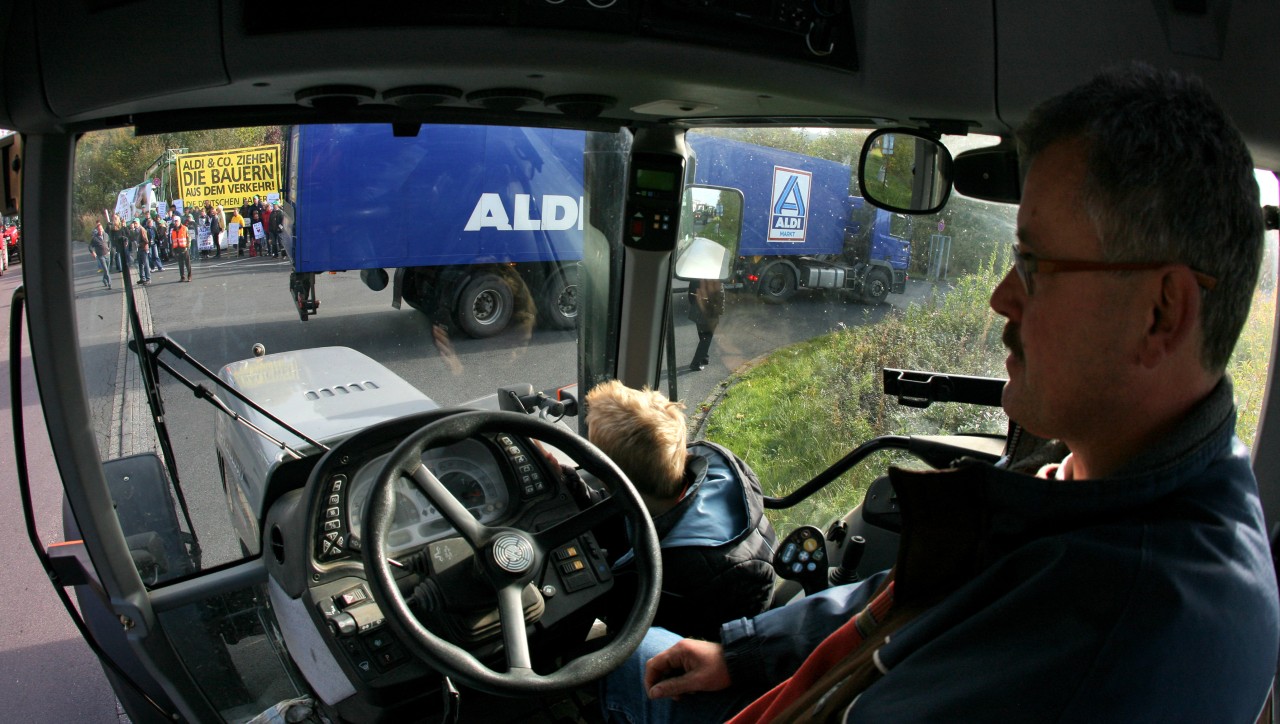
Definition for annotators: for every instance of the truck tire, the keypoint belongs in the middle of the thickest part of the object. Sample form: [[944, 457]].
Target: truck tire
[[876, 288], [777, 283], [558, 307], [485, 307]]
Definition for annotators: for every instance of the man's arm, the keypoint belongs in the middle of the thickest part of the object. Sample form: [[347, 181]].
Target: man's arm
[[767, 649], [757, 652]]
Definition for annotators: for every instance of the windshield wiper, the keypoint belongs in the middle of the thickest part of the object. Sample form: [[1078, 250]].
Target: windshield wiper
[[155, 345]]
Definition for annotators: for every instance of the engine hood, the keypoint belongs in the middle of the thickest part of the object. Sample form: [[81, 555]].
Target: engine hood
[[326, 393]]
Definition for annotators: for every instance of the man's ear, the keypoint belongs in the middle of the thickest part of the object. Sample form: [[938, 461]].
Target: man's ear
[[1175, 315]]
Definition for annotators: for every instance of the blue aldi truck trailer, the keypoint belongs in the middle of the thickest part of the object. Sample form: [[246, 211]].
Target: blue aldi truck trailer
[[473, 225], [476, 224], [801, 228]]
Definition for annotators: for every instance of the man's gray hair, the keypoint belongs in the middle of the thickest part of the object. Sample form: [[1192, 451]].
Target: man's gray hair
[[1169, 179]]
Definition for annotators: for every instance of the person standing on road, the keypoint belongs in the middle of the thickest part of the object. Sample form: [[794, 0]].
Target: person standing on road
[[246, 232], [178, 242], [98, 247], [217, 223], [138, 239], [153, 242], [259, 232], [120, 247], [237, 224], [275, 228], [706, 305]]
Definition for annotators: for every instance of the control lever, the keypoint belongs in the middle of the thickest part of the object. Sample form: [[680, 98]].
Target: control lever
[[521, 398], [802, 557], [847, 571]]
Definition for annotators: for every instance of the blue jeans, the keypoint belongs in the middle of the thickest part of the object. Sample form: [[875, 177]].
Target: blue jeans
[[623, 697], [144, 269], [155, 258], [101, 260]]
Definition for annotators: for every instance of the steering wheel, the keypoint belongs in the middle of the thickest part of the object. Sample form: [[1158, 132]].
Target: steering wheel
[[508, 558]]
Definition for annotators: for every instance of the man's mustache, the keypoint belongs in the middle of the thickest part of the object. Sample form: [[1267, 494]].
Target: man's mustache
[[1012, 339]]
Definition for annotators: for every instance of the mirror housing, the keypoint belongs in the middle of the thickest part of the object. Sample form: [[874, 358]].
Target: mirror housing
[[905, 170], [990, 174], [710, 230]]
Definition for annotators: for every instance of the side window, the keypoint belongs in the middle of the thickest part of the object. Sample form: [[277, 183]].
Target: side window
[[900, 226]]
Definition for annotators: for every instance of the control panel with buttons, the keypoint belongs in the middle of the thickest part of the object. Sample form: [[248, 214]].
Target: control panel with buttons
[[653, 201], [333, 542], [528, 475]]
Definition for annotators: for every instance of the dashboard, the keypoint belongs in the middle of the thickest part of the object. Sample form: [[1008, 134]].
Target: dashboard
[[504, 480], [472, 470]]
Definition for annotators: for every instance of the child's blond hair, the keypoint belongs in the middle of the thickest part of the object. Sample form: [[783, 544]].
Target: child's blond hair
[[643, 433]]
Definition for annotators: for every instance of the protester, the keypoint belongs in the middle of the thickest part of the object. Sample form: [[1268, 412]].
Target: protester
[[266, 230], [98, 248], [153, 256], [1130, 582], [217, 224], [236, 229], [275, 229], [178, 241], [255, 225], [120, 246], [138, 240]]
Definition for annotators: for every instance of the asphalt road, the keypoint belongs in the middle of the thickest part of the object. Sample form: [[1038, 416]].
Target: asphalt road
[[50, 675]]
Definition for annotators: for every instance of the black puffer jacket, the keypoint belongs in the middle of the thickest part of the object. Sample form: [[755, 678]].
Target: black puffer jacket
[[717, 548]]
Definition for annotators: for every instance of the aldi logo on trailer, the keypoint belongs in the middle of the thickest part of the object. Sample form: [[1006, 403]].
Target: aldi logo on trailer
[[789, 212]]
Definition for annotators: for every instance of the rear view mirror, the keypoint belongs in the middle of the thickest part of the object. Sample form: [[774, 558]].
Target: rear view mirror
[[905, 171], [710, 229]]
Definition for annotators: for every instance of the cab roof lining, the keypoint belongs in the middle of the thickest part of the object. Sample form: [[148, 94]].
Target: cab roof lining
[[982, 62]]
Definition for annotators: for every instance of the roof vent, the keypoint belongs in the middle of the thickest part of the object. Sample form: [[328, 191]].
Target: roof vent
[[504, 99], [582, 106], [334, 97], [421, 96]]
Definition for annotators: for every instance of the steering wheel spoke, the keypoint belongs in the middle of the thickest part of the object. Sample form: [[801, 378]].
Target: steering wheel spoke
[[514, 636], [453, 511]]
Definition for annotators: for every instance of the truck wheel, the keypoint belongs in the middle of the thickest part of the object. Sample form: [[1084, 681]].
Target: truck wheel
[[558, 307], [876, 288], [485, 306], [777, 283]]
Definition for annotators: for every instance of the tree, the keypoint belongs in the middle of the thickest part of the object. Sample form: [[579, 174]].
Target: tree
[[115, 159]]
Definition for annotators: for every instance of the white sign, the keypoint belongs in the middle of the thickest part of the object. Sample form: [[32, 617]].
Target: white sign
[[789, 208], [257, 230]]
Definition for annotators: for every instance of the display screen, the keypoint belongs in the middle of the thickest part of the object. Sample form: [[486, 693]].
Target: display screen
[[655, 180]]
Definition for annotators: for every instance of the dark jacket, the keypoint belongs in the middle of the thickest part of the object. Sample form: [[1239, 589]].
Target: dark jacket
[[1146, 596], [717, 547]]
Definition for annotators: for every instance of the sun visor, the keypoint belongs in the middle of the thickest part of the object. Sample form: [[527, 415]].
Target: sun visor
[[139, 45]]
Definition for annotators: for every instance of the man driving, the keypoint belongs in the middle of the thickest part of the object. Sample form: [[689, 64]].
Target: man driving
[[1132, 581]]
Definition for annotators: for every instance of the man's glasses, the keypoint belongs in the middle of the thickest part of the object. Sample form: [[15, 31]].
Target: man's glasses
[[1028, 265]]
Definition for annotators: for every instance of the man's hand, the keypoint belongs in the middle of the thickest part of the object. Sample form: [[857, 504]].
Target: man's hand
[[688, 667]]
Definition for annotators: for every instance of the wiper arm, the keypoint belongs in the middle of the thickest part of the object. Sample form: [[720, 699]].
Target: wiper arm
[[162, 344]]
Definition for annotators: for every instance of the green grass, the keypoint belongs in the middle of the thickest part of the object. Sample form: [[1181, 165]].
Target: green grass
[[832, 386]]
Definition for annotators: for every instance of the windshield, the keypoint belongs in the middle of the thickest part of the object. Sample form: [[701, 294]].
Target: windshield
[[296, 287], [325, 264]]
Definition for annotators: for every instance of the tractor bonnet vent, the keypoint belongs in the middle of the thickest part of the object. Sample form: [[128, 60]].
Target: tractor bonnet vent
[[339, 390]]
